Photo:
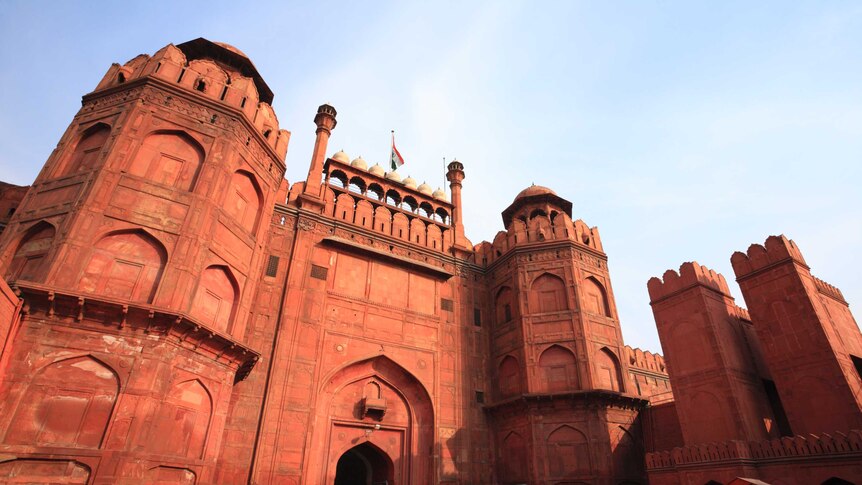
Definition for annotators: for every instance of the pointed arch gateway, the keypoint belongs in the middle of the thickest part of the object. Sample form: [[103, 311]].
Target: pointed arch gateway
[[380, 405]]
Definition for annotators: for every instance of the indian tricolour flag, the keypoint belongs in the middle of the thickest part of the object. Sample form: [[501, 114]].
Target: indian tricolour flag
[[395, 159]]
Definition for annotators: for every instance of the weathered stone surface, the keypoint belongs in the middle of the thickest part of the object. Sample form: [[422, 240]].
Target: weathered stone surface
[[179, 313]]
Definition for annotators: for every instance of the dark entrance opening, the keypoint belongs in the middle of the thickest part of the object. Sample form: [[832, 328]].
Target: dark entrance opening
[[364, 464]]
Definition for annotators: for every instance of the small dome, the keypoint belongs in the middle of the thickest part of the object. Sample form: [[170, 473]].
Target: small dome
[[393, 176], [440, 194], [425, 189], [534, 190], [409, 182], [341, 157], [376, 169], [359, 163], [231, 48]]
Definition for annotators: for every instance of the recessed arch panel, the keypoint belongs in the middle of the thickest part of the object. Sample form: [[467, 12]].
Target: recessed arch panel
[[29, 257], [68, 403], [216, 298], [558, 370], [86, 153], [170, 158], [548, 294], [126, 265]]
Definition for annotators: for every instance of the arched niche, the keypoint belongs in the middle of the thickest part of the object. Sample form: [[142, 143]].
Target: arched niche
[[509, 375], [706, 420], [171, 158], [558, 370], [125, 265], [244, 200], [86, 153], [383, 220], [608, 369], [548, 294], [169, 475], [42, 470], [216, 298], [504, 304], [27, 261], [183, 421], [512, 465], [596, 297], [408, 407], [400, 226], [364, 214], [345, 205], [568, 452], [67, 404]]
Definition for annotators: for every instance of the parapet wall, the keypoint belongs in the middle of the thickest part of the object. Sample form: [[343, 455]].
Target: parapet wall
[[757, 257], [645, 360], [805, 447], [690, 274], [829, 290]]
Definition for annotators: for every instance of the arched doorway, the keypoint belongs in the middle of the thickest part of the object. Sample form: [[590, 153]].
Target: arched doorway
[[364, 464], [373, 407]]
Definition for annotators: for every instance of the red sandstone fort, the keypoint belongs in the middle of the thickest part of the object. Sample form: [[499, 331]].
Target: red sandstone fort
[[174, 312]]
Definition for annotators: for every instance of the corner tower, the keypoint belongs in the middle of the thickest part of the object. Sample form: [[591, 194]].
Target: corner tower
[[137, 246], [563, 408]]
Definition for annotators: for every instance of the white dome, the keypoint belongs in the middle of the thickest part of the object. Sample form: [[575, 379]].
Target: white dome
[[393, 176], [440, 194], [359, 163], [341, 157], [409, 182], [425, 189], [376, 169]]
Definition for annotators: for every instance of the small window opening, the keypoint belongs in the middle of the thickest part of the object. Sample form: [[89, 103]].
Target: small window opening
[[223, 93], [344, 214], [400, 233], [267, 133], [477, 317], [158, 66], [417, 238], [182, 73], [480, 397], [201, 85], [507, 312], [363, 221], [242, 103], [121, 78]]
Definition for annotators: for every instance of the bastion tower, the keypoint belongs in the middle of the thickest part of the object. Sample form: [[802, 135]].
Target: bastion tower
[[563, 406], [136, 253]]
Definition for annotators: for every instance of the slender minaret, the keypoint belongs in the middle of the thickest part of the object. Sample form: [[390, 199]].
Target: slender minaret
[[455, 175], [325, 121]]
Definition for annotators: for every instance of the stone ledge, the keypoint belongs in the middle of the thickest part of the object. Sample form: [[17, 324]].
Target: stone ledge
[[188, 332]]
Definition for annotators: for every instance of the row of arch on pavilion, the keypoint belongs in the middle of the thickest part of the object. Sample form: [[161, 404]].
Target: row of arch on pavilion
[[425, 227], [127, 265], [209, 79], [71, 401], [171, 158], [389, 196], [558, 372], [548, 293], [536, 225]]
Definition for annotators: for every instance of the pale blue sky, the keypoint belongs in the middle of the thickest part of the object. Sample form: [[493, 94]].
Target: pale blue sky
[[684, 130]]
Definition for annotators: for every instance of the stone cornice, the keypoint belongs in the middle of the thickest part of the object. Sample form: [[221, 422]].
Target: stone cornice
[[183, 329]]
